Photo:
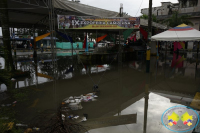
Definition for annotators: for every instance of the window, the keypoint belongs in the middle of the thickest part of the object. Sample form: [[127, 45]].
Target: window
[[193, 3], [184, 3]]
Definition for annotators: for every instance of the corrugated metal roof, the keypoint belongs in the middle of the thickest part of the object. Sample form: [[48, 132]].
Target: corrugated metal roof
[[84, 9]]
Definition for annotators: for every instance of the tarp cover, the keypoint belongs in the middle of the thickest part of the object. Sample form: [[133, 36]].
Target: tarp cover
[[180, 33]]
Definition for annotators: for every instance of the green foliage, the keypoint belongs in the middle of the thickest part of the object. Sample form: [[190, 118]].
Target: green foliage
[[9, 113], [19, 95], [154, 18], [177, 19], [144, 16]]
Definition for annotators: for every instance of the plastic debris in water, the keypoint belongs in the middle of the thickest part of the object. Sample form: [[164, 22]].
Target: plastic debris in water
[[36, 129], [84, 119], [21, 125], [13, 79], [70, 116], [76, 117], [63, 117]]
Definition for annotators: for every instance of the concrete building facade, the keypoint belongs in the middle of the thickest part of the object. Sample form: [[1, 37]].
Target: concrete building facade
[[189, 7]]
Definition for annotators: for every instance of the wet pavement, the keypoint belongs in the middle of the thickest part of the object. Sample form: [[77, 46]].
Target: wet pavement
[[126, 91]]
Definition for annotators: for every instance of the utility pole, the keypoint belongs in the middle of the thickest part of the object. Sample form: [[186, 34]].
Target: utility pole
[[120, 64], [150, 20], [148, 52], [147, 67]]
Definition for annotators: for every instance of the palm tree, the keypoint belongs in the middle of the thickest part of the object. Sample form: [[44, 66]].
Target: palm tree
[[177, 19]]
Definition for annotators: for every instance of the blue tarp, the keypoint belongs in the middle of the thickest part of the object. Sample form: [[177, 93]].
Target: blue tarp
[[65, 36]]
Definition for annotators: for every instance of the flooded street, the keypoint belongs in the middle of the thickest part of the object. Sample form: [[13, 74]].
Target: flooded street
[[80, 66], [123, 92]]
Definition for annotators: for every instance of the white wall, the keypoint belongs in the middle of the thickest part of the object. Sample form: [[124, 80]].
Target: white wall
[[161, 10]]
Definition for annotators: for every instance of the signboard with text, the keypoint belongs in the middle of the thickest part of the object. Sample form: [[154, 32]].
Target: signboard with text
[[91, 22], [25, 36]]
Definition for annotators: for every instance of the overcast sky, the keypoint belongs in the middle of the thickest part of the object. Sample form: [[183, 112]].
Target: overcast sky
[[132, 7]]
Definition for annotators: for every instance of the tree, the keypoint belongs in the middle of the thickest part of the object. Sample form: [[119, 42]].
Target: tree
[[9, 66], [154, 19], [177, 19], [144, 16]]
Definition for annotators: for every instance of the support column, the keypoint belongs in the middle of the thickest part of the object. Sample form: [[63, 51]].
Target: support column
[[197, 61], [52, 35], [119, 73], [35, 55], [9, 66]]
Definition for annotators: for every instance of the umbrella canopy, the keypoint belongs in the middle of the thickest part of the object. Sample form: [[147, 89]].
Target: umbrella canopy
[[182, 32]]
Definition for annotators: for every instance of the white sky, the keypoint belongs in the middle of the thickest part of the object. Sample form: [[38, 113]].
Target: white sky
[[132, 7]]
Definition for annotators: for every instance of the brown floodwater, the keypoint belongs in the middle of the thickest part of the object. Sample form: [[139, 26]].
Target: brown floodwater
[[127, 93]]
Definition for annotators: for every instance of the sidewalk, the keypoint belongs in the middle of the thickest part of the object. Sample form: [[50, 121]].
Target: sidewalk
[[28, 50], [20, 52]]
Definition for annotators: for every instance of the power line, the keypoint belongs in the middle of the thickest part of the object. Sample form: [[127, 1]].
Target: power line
[[139, 8]]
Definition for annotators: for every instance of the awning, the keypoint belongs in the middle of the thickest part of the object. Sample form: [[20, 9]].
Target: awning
[[180, 33]]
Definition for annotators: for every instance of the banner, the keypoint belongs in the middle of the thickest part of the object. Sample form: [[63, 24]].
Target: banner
[[41, 37], [101, 38], [25, 36], [92, 22]]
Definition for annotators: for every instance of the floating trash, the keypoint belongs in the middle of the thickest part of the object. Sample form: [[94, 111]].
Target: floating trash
[[70, 116], [75, 106], [21, 125], [36, 129], [74, 103], [84, 119], [76, 117], [13, 79], [63, 117]]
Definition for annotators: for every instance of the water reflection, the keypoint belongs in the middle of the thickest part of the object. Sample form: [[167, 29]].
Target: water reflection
[[3, 88], [95, 69], [171, 82], [2, 63]]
